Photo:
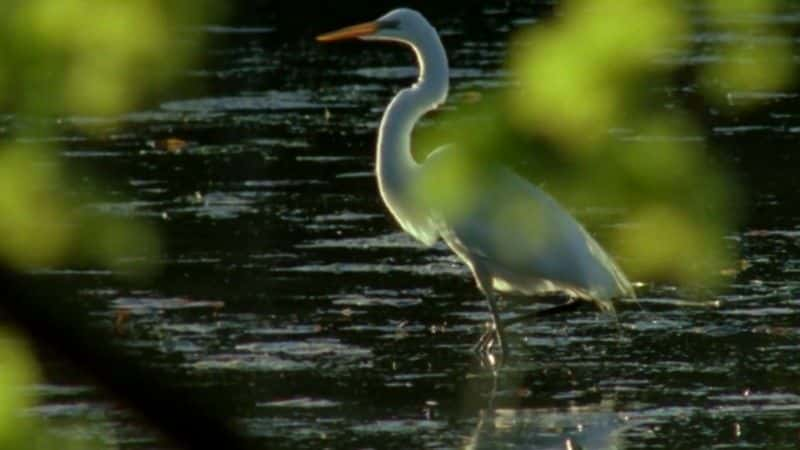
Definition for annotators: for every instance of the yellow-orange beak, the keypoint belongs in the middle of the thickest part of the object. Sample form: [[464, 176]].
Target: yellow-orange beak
[[362, 29]]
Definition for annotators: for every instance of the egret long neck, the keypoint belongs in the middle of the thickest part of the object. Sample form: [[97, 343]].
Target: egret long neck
[[395, 165]]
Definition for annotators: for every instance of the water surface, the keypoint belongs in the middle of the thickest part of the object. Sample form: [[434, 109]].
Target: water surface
[[289, 293]]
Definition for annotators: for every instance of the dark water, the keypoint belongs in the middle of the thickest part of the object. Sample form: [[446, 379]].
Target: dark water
[[289, 294]]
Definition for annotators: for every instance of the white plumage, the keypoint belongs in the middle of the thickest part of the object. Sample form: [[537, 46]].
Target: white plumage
[[512, 235]]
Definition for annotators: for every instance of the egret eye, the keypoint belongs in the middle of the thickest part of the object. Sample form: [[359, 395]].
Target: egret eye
[[390, 24]]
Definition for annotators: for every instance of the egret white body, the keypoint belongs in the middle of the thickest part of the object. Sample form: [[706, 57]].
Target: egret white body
[[545, 251]]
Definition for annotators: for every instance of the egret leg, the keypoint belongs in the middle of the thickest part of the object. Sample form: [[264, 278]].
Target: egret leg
[[485, 342], [570, 305], [484, 282], [495, 334], [498, 325]]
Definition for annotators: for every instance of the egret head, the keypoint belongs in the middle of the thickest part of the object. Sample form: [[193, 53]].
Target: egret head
[[402, 25]]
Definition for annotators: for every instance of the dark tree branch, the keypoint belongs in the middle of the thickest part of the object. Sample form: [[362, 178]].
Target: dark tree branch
[[173, 410]]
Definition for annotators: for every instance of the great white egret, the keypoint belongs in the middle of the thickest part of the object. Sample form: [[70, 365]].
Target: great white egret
[[544, 251]]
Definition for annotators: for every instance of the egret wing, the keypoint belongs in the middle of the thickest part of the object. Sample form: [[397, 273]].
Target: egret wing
[[525, 239]]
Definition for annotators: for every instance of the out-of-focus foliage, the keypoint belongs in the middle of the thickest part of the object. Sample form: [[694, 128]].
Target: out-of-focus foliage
[[79, 58], [42, 226], [584, 122], [74, 58], [744, 66], [577, 73], [91, 57], [18, 376], [18, 371], [29, 211]]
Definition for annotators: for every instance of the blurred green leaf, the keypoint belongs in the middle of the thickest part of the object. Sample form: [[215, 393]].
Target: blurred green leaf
[[80, 58], [582, 125], [756, 57], [92, 57], [576, 74], [33, 217], [18, 372]]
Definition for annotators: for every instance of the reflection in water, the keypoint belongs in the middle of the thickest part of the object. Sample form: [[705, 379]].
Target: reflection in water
[[507, 422], [547, 429]]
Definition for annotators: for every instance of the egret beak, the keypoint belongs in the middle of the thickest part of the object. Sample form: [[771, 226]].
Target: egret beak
[[362, 29]]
